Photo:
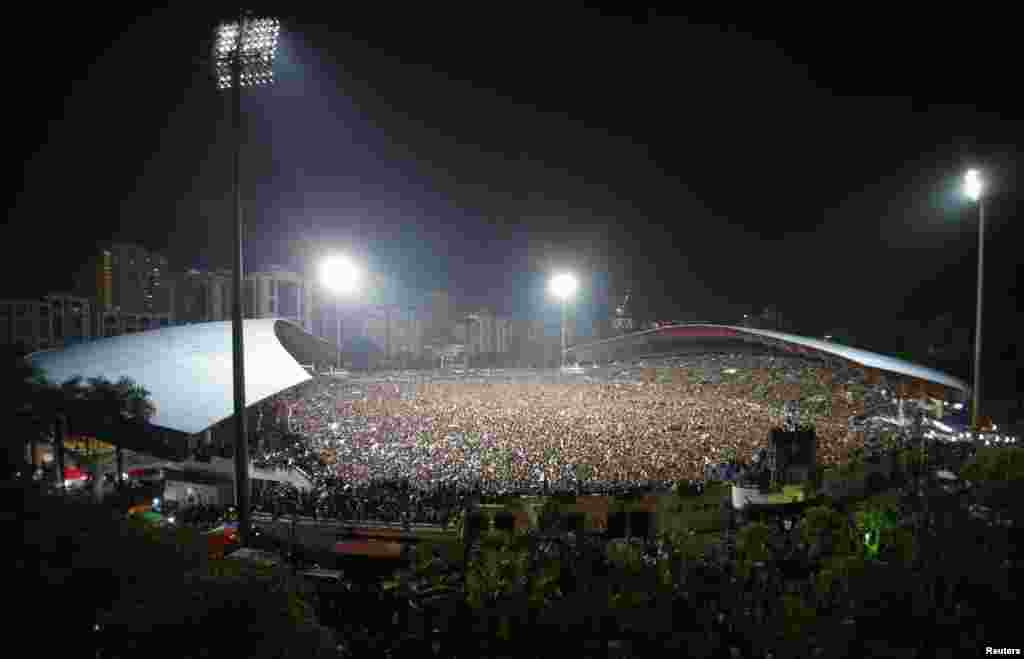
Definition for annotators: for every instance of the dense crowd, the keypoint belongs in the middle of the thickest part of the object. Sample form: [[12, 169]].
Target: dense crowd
[[415, 447], [503, 434], [387, 501]]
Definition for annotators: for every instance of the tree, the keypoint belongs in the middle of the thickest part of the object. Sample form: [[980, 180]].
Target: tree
[[93, 406], [148, 589], [33, 411], [98, 405], [752, 545], [826, 532], [122, 401]]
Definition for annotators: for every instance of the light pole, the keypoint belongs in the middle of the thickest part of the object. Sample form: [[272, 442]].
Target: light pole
[[973, 188], [563, 287], [243, 57], [339, 275]]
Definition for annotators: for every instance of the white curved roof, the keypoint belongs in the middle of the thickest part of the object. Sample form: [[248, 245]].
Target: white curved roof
[[866, 358], [187, 369], [856, 355]]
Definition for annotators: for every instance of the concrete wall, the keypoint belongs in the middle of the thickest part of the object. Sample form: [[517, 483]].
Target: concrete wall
[[208, 494]]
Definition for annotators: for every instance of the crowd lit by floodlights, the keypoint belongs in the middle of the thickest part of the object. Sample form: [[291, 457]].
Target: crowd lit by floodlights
[[255, 47]]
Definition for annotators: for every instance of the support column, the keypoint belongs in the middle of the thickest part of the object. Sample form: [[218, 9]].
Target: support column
[[120, 466], [59, 427]]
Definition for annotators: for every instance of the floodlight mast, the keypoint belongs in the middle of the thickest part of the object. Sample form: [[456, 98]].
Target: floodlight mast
[[238, 352], [242, 61], [974, 188], [564, 286]]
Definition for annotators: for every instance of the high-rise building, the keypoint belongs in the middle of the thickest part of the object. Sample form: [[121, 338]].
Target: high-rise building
[[128, 290], [441, 312], [124, 277], [55, 321], [397, 330], [279, 293], [94, 279], [190, 295], [26, 324], [534, 342], [70, 318], [220, 294], [487, 333]]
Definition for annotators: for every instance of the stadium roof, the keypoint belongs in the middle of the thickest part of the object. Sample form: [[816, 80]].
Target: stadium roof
[[801, 343], [188, 369]]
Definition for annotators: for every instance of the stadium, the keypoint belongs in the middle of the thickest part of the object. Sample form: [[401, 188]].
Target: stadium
[[653, 407]]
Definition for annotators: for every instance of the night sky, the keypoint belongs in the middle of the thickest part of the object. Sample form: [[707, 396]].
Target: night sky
[[812, 162]]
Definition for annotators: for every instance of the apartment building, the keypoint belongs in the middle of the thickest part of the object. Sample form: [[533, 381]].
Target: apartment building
[[278, 292], [200, 296], [55, 321], [125, 277], [398, 331]]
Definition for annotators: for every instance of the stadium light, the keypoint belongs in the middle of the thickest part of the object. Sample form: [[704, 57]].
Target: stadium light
[[973, 185], [973, 188], [563, 286], [341, 276], [243, 56], [253, 48]]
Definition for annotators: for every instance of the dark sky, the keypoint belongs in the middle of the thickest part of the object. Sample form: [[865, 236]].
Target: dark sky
[[812, 162]]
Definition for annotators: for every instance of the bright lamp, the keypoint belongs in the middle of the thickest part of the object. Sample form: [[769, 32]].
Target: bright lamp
[[973, 184], [339, 274], [255, 45], [563, 286]]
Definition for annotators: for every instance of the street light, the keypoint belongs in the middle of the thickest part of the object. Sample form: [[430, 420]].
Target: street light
[[243, 57], [341, 276], [973, 188], [563, 286]]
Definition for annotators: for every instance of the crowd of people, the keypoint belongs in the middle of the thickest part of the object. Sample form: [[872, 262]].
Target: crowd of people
[[510, 434], [415, 446], [386, 501]]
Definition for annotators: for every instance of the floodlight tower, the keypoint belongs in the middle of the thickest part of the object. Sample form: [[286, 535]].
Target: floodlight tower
[[563, 286], [341, 276], [243, 57], [974, 188]]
